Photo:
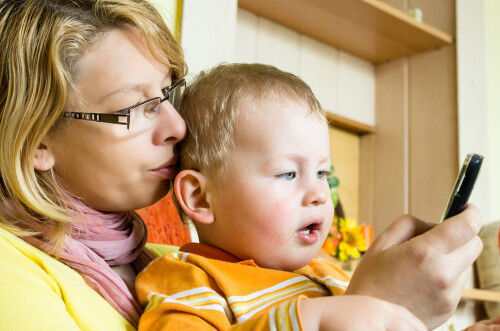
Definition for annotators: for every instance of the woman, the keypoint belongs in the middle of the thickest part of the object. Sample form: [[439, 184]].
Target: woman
[[88, 131], [59, 59]]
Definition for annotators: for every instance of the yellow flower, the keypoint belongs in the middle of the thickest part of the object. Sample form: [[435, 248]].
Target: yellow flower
[[353, 239], [346, 251]]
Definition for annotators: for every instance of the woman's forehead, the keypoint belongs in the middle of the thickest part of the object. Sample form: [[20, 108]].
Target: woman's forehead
[[119, 61]]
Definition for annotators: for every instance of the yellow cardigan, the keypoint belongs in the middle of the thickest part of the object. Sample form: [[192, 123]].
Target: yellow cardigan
[[37, 292]]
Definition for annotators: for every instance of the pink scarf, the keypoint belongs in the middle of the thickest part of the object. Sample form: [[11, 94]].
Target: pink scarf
[[98, 241]]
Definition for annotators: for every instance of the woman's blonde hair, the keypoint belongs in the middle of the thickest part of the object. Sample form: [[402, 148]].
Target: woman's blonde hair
[[41, 43]]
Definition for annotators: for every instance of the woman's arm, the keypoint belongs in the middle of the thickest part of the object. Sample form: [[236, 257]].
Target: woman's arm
[[37, 292], [421, 266], [29, 300]]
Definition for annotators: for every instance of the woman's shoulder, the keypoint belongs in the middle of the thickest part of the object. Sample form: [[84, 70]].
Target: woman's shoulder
[[16, 254], [39, 292]]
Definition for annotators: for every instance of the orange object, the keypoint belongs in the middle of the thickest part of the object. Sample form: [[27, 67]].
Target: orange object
[[330, 245], [164, 224], [368, 233]]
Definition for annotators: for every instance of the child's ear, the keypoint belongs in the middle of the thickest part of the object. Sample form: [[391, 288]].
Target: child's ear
[[43, 159], [190, 188]]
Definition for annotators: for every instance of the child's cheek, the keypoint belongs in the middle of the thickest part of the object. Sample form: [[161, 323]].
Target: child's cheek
[[278, 216]]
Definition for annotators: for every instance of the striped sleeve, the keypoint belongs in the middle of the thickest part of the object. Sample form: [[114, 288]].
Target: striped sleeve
[[165, 315], [283, 317], [179, 295]]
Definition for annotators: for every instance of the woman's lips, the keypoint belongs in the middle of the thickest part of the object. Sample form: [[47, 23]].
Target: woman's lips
[[167, 170]]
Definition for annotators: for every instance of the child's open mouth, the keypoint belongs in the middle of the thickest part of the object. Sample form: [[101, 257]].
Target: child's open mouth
[[310, 233]]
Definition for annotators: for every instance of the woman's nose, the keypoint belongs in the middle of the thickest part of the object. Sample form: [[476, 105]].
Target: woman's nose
[[170, 127]]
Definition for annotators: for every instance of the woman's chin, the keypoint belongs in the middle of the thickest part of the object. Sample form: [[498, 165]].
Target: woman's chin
[[137, 199], [157, 195]]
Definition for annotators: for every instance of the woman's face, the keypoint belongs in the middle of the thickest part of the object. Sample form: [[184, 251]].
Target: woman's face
[[109, 167]]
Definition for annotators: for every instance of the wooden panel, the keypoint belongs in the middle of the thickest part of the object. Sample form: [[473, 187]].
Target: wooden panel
[[208, 32], [433, 131], [245, 44], [344, 146], [367, 179], [439, 14], [398, 4], [356, 89], [390, 144], [435, 13], [480, 295], [348, 124], [318, 67], [278, 46], [369, 29]]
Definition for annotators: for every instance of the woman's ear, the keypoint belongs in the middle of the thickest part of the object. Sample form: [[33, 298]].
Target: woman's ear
[[43, 159], [190, 188]]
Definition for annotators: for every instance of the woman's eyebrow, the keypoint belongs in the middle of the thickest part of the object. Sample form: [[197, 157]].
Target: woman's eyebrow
[[124, 89], [132, 87]]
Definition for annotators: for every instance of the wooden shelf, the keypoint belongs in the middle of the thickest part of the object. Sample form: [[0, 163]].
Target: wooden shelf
[[369, 29], [348, 124], [480, 295]]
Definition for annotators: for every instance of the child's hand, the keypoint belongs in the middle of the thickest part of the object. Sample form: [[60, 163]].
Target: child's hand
[[421, 266], [356, 312]]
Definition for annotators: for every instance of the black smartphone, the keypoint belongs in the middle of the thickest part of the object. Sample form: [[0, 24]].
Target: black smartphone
[[463, 185]]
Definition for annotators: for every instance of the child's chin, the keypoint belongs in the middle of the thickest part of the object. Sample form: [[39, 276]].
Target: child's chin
[[293, 265]]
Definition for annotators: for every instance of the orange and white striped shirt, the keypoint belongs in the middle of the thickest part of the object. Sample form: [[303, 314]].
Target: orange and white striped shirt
[[204, 288]]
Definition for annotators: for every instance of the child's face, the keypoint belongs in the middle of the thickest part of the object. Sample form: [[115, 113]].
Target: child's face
[[275, 206]]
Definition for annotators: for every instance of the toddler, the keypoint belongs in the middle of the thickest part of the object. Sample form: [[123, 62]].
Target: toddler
[[253, 182]]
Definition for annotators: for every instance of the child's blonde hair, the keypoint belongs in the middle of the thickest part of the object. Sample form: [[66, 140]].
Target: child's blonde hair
[[212, 102], [41, 43]]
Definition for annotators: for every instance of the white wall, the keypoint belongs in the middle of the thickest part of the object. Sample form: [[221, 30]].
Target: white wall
[[478, 101], [344, 84], [492, 62], [208, 28]]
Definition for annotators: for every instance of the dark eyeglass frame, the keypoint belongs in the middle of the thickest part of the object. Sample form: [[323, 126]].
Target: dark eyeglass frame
[[123, 116]]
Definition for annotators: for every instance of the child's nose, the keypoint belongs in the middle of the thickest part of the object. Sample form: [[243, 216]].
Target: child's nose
[[317, 194]]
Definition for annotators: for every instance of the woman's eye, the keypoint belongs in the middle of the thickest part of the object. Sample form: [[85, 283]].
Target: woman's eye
[[288, 175], [151, 107]]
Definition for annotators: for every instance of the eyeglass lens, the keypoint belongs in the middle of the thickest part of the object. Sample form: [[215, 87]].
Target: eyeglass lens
[[142, 117]]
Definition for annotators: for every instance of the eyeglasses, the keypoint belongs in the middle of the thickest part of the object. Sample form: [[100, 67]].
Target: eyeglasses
[[139, 117]]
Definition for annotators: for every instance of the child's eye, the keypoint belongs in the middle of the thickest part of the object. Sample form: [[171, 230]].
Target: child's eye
[[288, 175], [323, 174]]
